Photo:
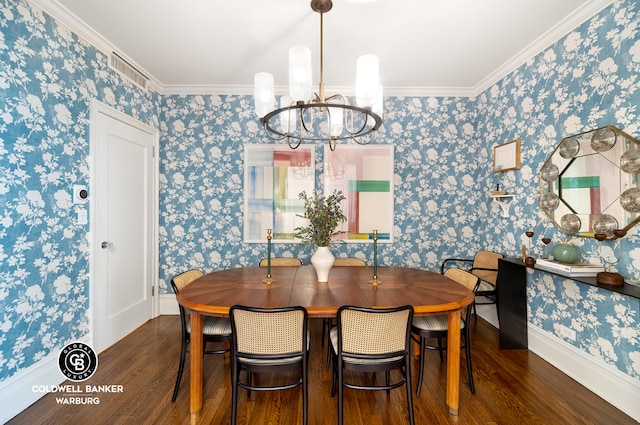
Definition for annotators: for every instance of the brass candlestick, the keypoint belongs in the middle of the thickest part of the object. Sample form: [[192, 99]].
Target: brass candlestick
[[529, 260], [268, 280], [375, 281], [546, 242]]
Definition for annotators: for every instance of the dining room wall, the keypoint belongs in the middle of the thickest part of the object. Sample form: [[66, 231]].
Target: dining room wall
[[48, 77], [443, 171], [588, 79], [439, 192]]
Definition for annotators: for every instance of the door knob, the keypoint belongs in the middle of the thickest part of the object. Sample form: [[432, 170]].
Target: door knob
[[106, 244]]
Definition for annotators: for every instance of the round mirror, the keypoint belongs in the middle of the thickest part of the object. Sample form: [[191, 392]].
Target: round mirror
[[589, 184]]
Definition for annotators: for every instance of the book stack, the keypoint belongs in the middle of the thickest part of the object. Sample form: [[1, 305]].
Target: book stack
[[574, 270]]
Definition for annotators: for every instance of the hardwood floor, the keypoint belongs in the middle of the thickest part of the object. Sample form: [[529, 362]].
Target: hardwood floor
[[512, 387]]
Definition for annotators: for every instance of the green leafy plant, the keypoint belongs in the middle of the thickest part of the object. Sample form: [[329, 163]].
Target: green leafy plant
[[324, 215]]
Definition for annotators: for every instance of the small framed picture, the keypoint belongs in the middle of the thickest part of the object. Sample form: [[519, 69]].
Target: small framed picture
[[506, 156]]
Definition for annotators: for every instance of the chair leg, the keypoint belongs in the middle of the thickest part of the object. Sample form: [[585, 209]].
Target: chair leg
[[183, 352], [324, 326], [328, 324], [334, 377], [440, 348], [340, 395], [234, 391], [305, 396], [328, 355], [387, 379], [407, 377], [467, 346], [423, 342]]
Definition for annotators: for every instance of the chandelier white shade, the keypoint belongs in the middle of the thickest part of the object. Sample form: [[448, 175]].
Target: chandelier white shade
[[263, 93], [300, 74], [367, 80], [311, 116]]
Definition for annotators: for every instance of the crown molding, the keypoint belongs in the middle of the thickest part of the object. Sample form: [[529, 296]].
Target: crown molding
[[564, 27], [578, 17]]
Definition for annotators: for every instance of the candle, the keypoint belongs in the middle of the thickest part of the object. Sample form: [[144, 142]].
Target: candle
[[375, 254], [268, 253]]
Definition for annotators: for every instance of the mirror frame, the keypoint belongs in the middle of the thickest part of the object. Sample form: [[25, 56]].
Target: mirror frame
[[564, 155]]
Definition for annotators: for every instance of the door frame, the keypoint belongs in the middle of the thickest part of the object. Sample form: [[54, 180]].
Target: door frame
[[98, 107]]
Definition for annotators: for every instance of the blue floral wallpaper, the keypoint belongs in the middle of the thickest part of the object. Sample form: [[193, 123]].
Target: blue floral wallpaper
[[48, 77], [443, 171]]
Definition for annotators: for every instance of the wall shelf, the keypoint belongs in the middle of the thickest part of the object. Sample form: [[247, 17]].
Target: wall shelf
[[512, 299], [504, 201]]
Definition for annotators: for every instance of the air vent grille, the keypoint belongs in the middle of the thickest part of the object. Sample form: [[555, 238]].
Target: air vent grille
[[130, 72]]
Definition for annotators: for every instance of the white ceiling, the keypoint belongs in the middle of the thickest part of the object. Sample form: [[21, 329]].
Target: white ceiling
[[448, 47]]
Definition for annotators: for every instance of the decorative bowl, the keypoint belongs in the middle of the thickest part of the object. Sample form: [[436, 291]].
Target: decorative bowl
[[566, 253]]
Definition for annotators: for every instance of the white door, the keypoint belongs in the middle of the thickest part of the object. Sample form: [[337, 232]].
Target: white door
[[123, 226]]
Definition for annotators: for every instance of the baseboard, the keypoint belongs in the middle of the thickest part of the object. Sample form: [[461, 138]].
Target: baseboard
[[17, 392], [489, 313], [168, 304], [604, 380]]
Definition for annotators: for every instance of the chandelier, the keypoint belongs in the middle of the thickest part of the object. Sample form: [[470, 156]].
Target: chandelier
[[303, 115]]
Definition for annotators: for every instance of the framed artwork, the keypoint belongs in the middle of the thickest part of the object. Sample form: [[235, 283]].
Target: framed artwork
[[364, 174], [506, 156], [274, 176]]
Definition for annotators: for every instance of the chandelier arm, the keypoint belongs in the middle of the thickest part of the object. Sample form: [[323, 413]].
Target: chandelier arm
[[368, 137], [271, 128], [289, 142], [272, 134], [365, 119], [333, 143], [302, 122]]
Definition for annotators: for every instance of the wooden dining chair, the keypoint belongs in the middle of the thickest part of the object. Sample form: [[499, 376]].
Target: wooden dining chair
[[437, 327], [268, 340], [281, 262], [372, 340], [214, 329], [484, 265], [327, 323]]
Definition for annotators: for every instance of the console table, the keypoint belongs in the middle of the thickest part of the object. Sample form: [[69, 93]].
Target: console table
[[511, 302]]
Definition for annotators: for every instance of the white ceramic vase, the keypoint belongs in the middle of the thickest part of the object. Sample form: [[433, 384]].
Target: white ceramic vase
[[322, 261]]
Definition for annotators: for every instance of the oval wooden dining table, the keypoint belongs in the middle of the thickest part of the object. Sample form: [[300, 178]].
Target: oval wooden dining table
[[428, 292]]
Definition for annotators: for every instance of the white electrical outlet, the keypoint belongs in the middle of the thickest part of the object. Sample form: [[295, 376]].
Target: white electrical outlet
[[567, 332], [83, 217]]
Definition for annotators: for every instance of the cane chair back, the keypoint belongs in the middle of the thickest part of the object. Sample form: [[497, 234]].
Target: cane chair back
[[485, 266], [214, 329], [372, 340], [268, 340], [327, 323], [437, 327]]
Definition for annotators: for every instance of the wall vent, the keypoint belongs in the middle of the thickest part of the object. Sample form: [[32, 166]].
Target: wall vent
[[129, 71]]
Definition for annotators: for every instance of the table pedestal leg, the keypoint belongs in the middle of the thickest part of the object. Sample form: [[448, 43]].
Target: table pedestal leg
[[453, 362], [195, 380]]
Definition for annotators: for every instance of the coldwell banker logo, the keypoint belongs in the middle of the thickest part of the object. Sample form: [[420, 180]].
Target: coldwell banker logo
[[77, 361]]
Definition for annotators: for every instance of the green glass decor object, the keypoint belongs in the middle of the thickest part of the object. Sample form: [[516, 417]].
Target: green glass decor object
[[566, 253]]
